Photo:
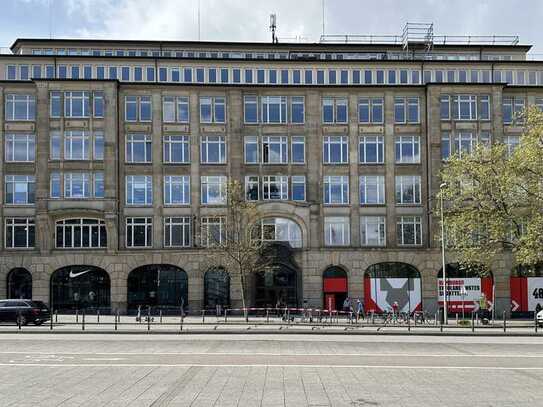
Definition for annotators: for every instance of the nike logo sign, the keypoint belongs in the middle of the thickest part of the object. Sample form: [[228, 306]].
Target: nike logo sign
[[74, 275]]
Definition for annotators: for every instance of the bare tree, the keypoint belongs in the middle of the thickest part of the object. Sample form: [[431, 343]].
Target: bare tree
[[235, 245]]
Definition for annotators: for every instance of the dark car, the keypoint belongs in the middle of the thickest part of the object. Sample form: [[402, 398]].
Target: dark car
[[24, 311]]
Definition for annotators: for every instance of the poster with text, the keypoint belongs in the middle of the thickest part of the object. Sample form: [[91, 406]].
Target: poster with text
[[465, 293], [381, 293], [526, 293]]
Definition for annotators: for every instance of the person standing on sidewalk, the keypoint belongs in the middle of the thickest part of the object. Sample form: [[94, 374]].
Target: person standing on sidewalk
[[359, 310]]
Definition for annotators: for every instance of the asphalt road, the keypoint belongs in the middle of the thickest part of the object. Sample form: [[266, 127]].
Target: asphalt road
[[269, 370]]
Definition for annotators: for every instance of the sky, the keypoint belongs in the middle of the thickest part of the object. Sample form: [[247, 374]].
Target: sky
[[248, 20]]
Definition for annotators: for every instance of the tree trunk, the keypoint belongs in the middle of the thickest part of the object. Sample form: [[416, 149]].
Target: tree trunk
[[243, 303]]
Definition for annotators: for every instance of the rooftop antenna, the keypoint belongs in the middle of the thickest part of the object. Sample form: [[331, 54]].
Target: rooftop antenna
[[273, 26]]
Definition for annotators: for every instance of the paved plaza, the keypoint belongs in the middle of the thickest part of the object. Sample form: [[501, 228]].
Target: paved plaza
[[269, 370]]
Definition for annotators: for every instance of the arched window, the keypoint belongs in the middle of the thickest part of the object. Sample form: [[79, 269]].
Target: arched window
[[278, 230], [158, 285], [216, 288], [81, 233], [19, 284], [392, 282], [78, 287]]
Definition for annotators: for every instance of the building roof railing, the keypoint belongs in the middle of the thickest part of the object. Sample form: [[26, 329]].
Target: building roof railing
[[505, 40]]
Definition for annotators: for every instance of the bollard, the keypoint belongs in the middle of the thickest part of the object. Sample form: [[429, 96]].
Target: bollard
[[288, 316], [535, 322], [77, 316], [435, 321], [472, 322], [203, 316], [372, 317], [504, 322], [118, 317], [160, 317], [56, 316], [51, 322], [181, 320], [409, 322], [19, 319], [267, 316], [457, 318], [148, 318], [115, 318], [441, 321], [97, 316], [225, 315], [83, 320]]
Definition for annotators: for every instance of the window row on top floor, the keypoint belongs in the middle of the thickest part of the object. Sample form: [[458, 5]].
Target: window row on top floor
[[76, 104], [274, 76]]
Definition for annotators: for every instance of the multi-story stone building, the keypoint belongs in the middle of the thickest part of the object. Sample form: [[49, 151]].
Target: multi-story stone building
[[115, 157]]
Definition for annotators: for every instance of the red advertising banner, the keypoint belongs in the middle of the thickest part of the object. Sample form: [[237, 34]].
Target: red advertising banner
[[465, 293], [526, 293]]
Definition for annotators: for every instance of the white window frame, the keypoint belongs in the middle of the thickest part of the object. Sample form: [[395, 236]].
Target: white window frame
[[16, 139], [206, 141], [365, 141], [402, 223], [369, 183], [181, 181], [132, 139], [283, 149], [10, 223], [171, 140], [280, 181], [328, 141], [171, 222], [370, 222], [129, 222], [130, 181], [345, 231], [218, 181], [408, 181], [414, 141], [329, 181]]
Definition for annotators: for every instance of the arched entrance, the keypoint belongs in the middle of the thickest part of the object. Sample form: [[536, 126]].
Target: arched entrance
[[158, 285], [19, 284], [526, 290], [465, 287], [277, 283], [80, 287], [216, 288], [389, 282], [334, 287]]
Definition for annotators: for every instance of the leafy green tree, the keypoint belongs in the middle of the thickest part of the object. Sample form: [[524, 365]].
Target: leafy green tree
[[494, 198]]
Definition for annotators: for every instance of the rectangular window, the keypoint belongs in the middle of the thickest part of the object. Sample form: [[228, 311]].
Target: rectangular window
[[77, 185], [11, 72], [55, 145], [213, 150], [20, 233], [252, 188], [36, 71], [175, 109], [250, 109], [187, 75], [76, 104], [337, 231], [406, 110], [334, 110], [273, 109], [139, 232], [54, 185], [466, 107], [138, 108], [98, 104], [371, 150], [20, 147], [297, 148], [445, 145], [407, 149], [99, 146], [308, 77], [150, 74], [125, 73], [336, 190], [484, 107], [20, 189], [445, 107], [274, 150], [464, 143], [213, 190], [213, 231], [212, 109], [335, 150], [76, 145], [24, 73], [177, 232], [372, 189], [511, 142], [275, 187], [248, 76], [408, 189], [176, 149], [99, 186], [55, 103], [298, 188], [372, 230], [139, 190], [408, 230], [297, 109], [20, 107], [370, 110], [138, 148], [251, 149], [176, 190]]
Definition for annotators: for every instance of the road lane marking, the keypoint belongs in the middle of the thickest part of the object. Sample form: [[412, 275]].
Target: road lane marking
[[268, 365], [410, 355]]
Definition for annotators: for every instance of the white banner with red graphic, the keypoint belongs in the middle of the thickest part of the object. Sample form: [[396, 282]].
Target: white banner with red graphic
[[381, 293], [465, 293], [526, 293]]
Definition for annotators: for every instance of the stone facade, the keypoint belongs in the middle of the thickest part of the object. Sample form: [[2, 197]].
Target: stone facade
[[313, 258]]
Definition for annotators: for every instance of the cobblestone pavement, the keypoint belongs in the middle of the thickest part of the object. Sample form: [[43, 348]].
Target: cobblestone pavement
[[269, 370]]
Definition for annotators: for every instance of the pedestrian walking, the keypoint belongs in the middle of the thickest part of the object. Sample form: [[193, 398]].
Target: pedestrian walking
[[395, 309], [359, 310]]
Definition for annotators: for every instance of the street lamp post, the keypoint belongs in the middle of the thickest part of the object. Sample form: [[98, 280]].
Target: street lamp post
[[445, 319]]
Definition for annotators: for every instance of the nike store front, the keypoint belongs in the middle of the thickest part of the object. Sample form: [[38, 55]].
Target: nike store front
[[80, 287]]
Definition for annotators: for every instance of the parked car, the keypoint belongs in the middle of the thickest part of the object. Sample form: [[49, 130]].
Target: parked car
[[540, 318], [24, 311]]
